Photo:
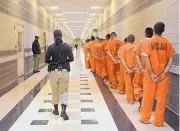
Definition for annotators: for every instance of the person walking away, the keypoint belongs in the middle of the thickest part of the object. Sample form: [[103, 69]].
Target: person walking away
[[112, 52], [76, 46], [128, 61], [36, 54], [98, 58], [120, 74], [89, 49], [104, 58], [158, 55], [139, 71], [86, 55], [58, 56]]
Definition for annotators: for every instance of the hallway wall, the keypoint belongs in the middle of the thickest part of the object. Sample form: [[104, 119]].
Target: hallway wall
[[133, 16], [36, 21]]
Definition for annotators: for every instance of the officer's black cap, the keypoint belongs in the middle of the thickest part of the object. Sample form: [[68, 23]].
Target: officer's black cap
[[57, 33]]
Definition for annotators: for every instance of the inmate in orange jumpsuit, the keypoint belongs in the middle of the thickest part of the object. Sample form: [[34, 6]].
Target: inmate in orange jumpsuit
[[159, 50], [120, 74], [86, 57], [90, 48], [129, 56], [114, 68], [97, 59], [108, 59], [104, 59], [138, 77]]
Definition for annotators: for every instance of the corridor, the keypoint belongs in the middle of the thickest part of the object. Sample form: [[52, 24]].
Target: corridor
[[121, 58], [92, 105]]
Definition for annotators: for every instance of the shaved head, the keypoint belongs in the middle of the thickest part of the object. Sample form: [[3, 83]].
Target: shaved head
[[131, 38]]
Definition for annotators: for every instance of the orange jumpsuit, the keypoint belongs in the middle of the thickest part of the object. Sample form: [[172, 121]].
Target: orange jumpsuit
[[90, 48], [104, 60], [129, 56], [120, 75], [138, 77], [86, 57], [159, 50], [97, 59], [114, 68], [108, 59]]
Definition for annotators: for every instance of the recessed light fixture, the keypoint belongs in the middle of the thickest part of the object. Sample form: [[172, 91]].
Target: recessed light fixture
[[76, 29], [95, 7], [62, 19], [75, 13], [92, 14], [58, 14], [89, 19], [54, 8]]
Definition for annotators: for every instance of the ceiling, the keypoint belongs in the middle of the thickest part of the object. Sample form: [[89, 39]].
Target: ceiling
[[75, 15]]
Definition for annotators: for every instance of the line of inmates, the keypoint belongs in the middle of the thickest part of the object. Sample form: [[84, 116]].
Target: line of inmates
[[140, 70]]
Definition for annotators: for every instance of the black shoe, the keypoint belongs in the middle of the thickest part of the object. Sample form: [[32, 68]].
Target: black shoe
[[140, 104], [64, 116], [63, 112], [93, 72], [34, 72], [38, 71], [56, 112]]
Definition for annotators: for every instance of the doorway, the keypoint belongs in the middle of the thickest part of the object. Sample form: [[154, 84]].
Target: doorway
[[44, 41], [19, 34]]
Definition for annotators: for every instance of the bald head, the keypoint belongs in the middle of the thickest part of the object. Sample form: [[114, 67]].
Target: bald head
[[131, 38], [113, 35]]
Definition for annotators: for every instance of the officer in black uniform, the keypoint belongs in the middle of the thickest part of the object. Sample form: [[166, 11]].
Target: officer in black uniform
[[58, 56], [36, 54]]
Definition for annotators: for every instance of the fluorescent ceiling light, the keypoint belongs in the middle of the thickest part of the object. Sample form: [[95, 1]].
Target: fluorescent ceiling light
[[88, 22], [64, 22], [82, 35], [75, 13], [76, 21], [54, 8], [77, 26], [58, 14], [62, 19], [95, 7]]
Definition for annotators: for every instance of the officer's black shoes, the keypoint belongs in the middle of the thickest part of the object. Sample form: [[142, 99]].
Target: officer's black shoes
[[63, 112], [34, 72], [64, 116], [56, 112], [140, 103]]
